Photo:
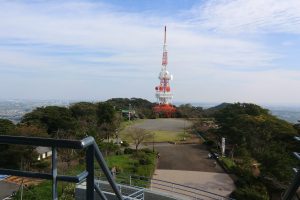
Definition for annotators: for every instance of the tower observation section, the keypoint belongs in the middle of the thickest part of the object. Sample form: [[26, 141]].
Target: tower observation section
[[163, 90]]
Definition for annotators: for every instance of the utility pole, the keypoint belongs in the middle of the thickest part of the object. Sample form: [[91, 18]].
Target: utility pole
[[129, 111]]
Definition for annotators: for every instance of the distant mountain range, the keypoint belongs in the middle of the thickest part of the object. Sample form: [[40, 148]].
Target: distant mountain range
[[289, 113]]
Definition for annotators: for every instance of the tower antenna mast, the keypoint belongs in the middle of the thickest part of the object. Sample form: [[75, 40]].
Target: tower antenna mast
[[163, 91]]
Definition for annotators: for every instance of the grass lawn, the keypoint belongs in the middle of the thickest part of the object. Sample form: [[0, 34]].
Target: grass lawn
[[129, 164], [161, 136], [228, 163], [125, 124], [40, 191], [169, 136], [124, 161]]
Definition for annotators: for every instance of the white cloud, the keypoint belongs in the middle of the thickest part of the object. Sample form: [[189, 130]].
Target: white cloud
[[129, 46], [128, 37], [244, 16]]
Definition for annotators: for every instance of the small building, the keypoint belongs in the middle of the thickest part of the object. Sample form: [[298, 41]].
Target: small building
[[130, 114], [44, 152]]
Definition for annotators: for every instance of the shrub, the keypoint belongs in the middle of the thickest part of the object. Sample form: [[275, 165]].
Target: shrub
[[119, 169], [128, 151], [209, 142], [135, 169], [108, 147], [147, 151], [125, 144], [145, 161], [68, 192], [144, 158], [251, 192], [228, 163]]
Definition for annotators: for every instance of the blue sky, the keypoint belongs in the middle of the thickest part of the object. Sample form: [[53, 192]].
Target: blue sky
[[219, 50]]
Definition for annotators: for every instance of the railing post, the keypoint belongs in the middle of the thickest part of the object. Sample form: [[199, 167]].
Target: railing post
[[54, 174], [90, 169], [291, 191], [130, 180]]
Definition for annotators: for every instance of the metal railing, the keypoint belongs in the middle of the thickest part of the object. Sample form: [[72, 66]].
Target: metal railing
[[290, 193], [92, 151]]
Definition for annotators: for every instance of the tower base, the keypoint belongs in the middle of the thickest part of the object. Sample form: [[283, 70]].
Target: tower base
[[164, 110]]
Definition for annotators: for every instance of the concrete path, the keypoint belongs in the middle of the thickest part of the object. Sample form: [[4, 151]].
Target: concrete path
[[186, 164], [218, 183], [189, 165], [188, 157]]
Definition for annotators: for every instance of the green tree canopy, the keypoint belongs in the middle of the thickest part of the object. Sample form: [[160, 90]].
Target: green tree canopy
[[257, 133], [6, 127], [106, 113], [53, 118], [84, 110]]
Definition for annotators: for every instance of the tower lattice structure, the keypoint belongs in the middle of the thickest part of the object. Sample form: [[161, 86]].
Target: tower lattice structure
[[163, 90]]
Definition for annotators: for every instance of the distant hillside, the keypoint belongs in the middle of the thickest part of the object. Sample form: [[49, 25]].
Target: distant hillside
[[219, 107], [142, 107]]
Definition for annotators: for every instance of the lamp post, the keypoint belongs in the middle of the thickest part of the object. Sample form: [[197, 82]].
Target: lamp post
[[117, 135], [129, 112], [152, 142]]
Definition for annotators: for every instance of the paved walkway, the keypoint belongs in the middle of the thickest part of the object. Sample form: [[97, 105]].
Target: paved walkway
[[218, 183], [188, 157], [189, 165]]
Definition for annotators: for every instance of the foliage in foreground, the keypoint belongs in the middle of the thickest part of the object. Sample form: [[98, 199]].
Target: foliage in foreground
[[257, 136]]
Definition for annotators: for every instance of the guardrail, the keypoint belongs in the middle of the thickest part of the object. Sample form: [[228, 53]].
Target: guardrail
[[92, 151], [291, 192]]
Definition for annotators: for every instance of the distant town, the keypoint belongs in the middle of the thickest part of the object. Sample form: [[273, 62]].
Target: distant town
[[15, 109]]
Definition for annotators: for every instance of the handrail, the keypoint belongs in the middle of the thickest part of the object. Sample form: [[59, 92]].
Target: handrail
[[92, 150], [295, 184]]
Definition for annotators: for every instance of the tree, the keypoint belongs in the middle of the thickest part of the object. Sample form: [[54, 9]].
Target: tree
[[142, 107], [84, 110], [107, 119], [297, 126], [6, 127], [30, 130], [17, 156], [54, 119], [258, 135], [138, 136], [189, 111], [85, 114], [105, 113]]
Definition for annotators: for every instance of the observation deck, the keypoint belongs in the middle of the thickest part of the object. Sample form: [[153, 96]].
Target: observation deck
[[91, 187]]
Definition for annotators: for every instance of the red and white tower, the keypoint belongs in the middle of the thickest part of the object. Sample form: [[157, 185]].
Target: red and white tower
[[163, 90]]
